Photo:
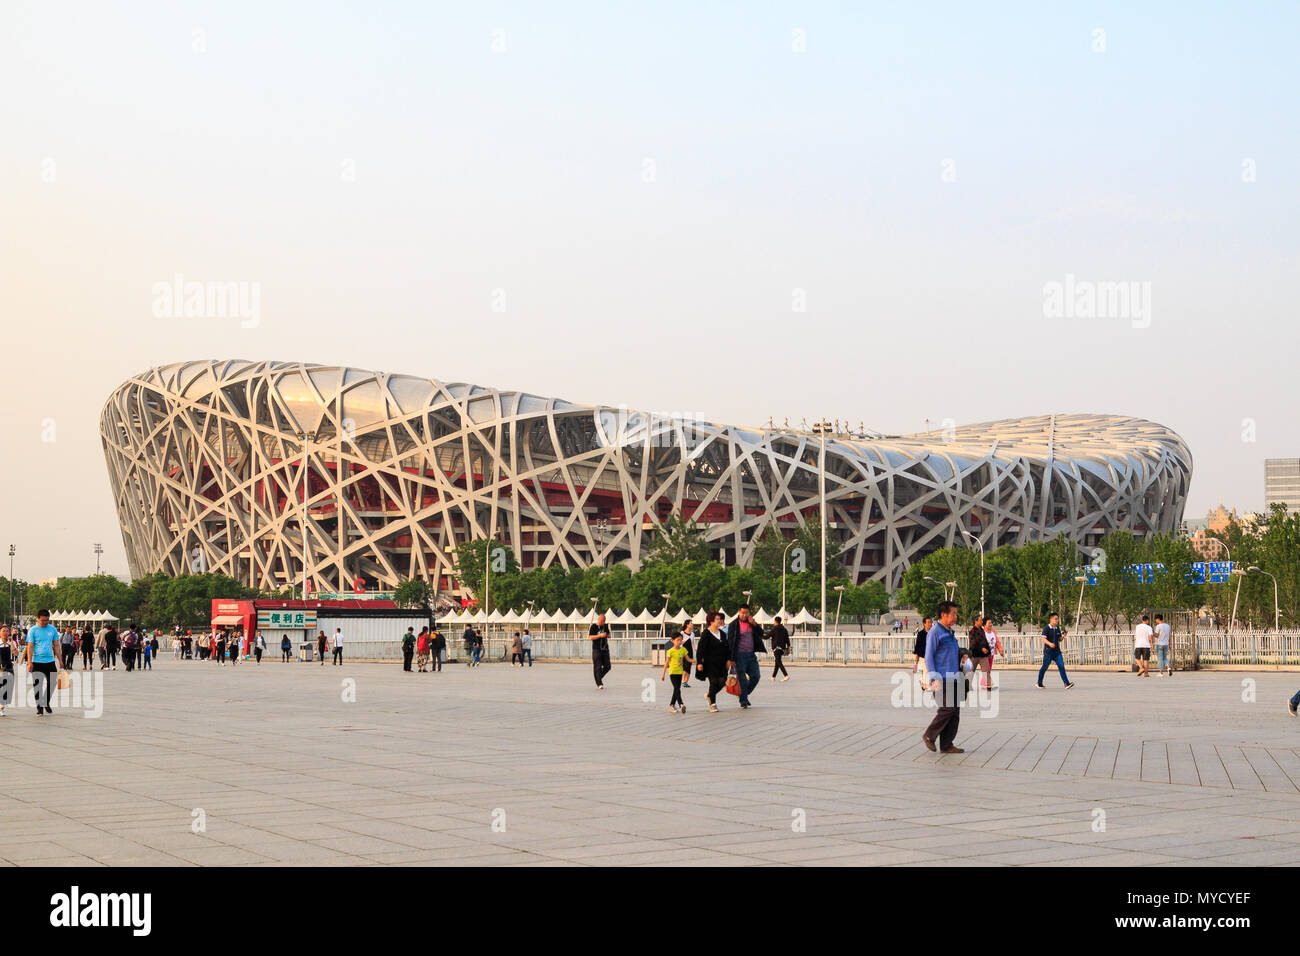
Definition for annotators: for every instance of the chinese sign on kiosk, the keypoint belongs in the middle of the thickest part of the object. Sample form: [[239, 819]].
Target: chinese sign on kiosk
[[286, 619]]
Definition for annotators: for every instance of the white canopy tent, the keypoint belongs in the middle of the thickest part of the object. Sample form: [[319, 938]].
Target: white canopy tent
[[803, 618]]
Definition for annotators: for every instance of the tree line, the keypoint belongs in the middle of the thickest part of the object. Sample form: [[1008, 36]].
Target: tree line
[[1021, 584]]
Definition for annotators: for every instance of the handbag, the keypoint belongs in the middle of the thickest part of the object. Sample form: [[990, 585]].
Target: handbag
[[733, 684], [65, 680]]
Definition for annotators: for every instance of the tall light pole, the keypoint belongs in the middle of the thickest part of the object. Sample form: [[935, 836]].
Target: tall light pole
[[12, 617], [1240, 574], [1277, 613], [306, 438], [783, 554], [940, 583], [821, 428], [99, 549], [1078, 615], [839, 602], [981, 547]]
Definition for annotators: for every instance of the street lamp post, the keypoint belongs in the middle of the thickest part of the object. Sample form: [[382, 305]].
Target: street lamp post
[[981, 547], [783, 554], [99, 549], [940, 583], [821, 429], [1078, 614], [1232, 626], [839, 602], [1277, 613], [12, 617]]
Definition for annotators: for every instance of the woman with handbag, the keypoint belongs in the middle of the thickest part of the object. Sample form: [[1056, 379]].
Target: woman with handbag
[[711, 659]]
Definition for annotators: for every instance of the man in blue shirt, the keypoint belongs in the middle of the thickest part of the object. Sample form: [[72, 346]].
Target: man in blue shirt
[[42, 659], [1052, 636], [943, 672]]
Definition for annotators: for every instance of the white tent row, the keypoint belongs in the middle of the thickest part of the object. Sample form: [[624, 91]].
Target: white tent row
[[69, 617], [623, 618]]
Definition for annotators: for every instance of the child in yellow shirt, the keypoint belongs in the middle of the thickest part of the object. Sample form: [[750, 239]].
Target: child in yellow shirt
[[674, 662]]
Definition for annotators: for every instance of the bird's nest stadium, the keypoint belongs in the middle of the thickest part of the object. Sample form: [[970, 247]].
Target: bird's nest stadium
[[269, 471]]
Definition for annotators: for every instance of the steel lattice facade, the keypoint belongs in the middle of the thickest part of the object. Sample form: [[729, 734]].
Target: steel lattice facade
[[208, 470]]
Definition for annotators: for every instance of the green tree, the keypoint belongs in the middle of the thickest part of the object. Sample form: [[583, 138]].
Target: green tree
[[187, 600], [412, 593], [679, 540]]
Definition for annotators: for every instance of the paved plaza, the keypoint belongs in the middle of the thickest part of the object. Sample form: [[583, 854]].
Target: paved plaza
[[502, 765]]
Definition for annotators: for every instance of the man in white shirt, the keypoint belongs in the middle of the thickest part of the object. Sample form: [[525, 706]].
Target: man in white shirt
[[1142, 635], [1162, 646], [338, 646]]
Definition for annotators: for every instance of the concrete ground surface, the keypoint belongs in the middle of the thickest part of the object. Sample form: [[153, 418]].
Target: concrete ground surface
[[275, 764]]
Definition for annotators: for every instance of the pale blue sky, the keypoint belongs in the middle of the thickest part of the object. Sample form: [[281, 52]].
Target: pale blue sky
[[774, 170]]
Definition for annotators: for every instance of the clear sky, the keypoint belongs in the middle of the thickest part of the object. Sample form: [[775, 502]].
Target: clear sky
[[647, 185]]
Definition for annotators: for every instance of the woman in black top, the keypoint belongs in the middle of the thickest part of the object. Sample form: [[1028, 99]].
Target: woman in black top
[[688, 642], [711, 659], [780, 647], [980, 652]]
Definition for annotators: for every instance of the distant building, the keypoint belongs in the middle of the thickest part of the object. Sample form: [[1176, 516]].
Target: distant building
[[1202, 532], [1282, 483]]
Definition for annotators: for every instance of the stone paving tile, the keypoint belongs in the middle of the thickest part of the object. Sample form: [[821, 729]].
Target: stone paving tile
[[413, 772]]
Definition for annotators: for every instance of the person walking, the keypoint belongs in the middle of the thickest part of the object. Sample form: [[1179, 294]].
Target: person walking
[[259, 647], [235, 645], [711, 659], [918, 652], [744, 644], [218, 648], [517, 650], [688, 642], [478, 647], [995, 646], [674, 665], [8, 680], [408, 647], [467, 639], [979, 650], [526, 641], [147, 650], [780, 647], [1162, 647], [438, 648], [421, 650], [600, 665], [42, 649], [943, 671], [338, 646], [67, 646], [1052, 636], [286, 647], [111, 644], [1142, 635], [87, 649], [323, 646]]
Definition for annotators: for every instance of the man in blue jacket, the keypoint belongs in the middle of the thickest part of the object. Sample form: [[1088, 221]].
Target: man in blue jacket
[[943, 672]]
